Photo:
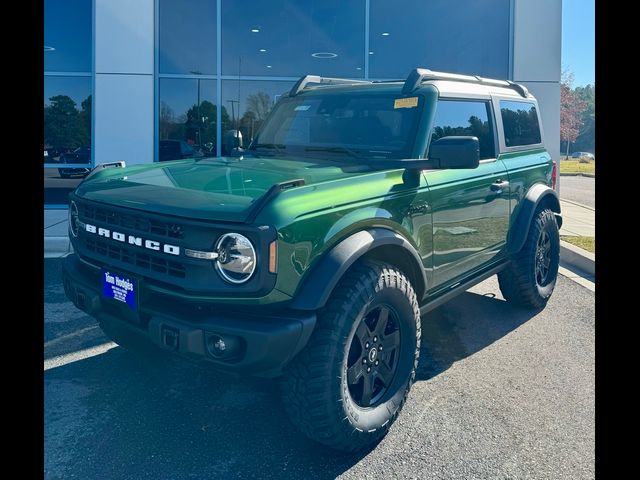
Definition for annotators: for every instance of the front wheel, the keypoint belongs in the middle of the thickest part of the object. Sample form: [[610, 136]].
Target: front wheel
[[531, 276], [349, 384]]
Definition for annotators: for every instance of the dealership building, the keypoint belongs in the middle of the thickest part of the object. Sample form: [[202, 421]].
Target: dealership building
[[151, 80]]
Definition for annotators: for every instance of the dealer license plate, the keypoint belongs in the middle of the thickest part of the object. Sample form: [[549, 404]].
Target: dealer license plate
[[120, 288]]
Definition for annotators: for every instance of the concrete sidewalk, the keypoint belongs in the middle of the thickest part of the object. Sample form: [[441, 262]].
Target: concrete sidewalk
[[577, 219], [56, 240]]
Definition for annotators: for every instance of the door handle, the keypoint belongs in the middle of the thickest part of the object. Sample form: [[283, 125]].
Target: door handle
[[418, 208], [499, 185]]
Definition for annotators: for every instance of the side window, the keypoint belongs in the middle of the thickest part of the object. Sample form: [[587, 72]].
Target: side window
[[467, 118], [520, 123]]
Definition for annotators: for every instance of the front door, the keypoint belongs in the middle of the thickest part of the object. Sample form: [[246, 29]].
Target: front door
[[470, 208]]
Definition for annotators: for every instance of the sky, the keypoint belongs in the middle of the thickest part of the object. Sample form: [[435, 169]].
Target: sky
[[578, 40]]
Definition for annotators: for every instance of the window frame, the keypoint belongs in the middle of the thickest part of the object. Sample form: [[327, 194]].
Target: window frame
[[92, 75], [461, 97], [500, 126]]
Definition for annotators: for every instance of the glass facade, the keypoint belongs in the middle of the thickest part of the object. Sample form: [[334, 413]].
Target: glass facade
[[287, 37], [68, 99], [256, 50], [245, 104], [222, 64], [187, 36], [461, 36], [187, 118]]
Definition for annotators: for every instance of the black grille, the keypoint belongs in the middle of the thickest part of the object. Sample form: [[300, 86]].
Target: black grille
[[133, 257], [133, 222]]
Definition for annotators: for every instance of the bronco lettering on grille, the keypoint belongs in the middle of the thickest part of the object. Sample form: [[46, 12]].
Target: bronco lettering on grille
[[132, 240]]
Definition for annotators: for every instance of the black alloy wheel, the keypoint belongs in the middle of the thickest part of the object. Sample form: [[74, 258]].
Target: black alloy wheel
[[543, 258], [373, 356]]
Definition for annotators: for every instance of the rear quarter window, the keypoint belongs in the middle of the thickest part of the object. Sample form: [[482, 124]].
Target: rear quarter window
[[520, 123]]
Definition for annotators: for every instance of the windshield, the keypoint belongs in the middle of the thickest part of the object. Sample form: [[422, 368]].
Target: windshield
[[372, 126]]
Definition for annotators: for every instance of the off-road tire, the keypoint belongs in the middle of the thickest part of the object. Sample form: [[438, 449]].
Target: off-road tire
[[316, 394], [518, 281]]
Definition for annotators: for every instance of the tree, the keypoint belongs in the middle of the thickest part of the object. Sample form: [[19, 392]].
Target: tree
[[586, 140], [85, 117], [260, 104], [166, 120], [571, 109], [63, 125]]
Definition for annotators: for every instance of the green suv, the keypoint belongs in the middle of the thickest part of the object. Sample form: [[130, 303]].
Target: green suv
[[311, 255]]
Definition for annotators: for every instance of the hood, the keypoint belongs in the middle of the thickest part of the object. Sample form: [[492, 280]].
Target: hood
[[223, 189]]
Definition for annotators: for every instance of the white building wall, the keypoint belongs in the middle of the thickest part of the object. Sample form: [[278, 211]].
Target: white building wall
[[537, 36], [124, 102]]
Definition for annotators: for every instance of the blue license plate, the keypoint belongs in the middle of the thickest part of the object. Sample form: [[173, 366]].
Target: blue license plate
[[120, 288]]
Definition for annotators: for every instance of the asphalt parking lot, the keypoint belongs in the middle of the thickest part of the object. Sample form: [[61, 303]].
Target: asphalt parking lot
[[500, 393]]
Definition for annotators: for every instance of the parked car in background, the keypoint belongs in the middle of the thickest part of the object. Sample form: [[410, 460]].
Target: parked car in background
[[52, 155], [79, 155], [589, 157], [176, 149]]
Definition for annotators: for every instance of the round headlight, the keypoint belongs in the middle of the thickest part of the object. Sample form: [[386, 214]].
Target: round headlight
[[236, 260], [73, 218]]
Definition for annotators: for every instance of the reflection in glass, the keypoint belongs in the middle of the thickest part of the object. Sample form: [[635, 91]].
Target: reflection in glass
[[369, 126], [245, 105], [465, 118], [520, 123], [463, 36], [187, 123], [187, 36], [58, 187], [67, 35], [67, 118], [293, 37]]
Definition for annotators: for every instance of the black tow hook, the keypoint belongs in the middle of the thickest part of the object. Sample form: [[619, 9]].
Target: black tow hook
[[170, 337]]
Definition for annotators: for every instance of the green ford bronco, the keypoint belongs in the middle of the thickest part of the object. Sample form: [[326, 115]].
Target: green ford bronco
[[311, 255]]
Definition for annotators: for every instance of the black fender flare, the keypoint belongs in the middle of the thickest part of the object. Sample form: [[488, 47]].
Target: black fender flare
[[322, 279], [537, 195]]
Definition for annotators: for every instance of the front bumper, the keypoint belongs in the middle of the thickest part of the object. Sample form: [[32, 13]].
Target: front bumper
[[259, 343]]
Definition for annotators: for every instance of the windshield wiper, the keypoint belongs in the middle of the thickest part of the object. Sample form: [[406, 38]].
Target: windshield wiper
[[348, 151], [270, 146], [275, 147]]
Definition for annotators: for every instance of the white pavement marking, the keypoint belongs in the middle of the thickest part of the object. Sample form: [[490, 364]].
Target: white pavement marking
[[578, 204], [69, 336], [68, 358], [585, 282]]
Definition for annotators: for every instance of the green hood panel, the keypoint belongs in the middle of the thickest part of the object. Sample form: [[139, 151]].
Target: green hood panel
[[222, 189]]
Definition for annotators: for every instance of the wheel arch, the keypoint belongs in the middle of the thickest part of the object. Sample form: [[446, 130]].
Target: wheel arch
[[373, 243], [539, 195]]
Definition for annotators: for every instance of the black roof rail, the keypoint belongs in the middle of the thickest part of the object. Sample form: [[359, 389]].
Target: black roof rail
[[419, 75], [302, 83]]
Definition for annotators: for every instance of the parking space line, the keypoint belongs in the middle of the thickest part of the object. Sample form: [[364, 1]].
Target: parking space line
[[68, 358]]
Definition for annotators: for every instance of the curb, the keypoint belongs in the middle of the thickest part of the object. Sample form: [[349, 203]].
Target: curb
[[56, 247], [590, 175], [578, 258], [577, 204]]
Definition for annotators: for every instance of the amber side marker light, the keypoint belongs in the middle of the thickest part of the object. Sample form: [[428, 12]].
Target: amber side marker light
[[273, 256]]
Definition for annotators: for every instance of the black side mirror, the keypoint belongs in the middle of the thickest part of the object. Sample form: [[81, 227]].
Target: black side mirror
[[455, 152]]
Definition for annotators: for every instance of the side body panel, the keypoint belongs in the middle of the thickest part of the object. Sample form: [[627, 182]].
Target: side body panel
[[526, 165], [470, 220]]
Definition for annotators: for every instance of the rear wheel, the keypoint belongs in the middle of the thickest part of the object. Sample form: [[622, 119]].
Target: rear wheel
[[350, 383], [531, 276]]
